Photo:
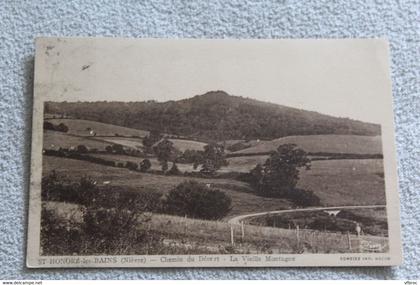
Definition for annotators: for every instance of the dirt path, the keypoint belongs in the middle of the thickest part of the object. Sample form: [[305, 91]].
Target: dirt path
[[238, 219]]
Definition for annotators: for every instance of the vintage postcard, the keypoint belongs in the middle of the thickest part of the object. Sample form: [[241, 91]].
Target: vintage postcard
[[212, 153]]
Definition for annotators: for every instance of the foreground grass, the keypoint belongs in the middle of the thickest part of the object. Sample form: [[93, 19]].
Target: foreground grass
[[181, 235]]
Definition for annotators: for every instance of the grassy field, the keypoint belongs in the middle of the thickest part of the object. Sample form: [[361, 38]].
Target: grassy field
[[134, 143], [55, 140], [346, 182], [183, 145], [243, 163], [336, 182], [323, 143], [244, 201], [79, 127], [229, 143]]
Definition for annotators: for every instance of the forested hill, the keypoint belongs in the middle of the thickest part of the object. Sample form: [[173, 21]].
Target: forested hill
[[213, 116]]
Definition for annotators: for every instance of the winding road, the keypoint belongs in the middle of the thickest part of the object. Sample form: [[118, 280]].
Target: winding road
[[238, 219]]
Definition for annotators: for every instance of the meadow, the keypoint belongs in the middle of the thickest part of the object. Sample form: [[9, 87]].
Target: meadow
[[243, 198], [323, 144], [182, 144], [352, 182], [346, 182], [80, 128]]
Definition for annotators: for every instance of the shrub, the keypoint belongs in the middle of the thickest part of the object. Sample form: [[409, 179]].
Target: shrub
[[101, 231], [62, 128], [145, 165], [82, 148], [59, 236], [117, 148], [55, 187], [131, 165], [302, 197], [49, 126], [59, 128], [85, 192], [139, 201], [113, 230], [197, 201], [190, 156]]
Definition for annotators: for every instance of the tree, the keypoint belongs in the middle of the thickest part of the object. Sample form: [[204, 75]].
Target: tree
[[117, 148], [145, 165], [131, 165], [174, 170], [153, 137], [62, 128], [82, 148], [280, 172], [49, 126], [256, 175], [212, 159], [190, 156], [195, 200], [165, 151]]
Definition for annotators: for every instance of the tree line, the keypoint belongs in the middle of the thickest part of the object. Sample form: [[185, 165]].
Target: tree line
[[214, 116]]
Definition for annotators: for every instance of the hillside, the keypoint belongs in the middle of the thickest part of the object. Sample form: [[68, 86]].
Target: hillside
[[323, 143], [213, 116]]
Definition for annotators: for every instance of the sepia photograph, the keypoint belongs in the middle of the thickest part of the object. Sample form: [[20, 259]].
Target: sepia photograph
[[211, 153]]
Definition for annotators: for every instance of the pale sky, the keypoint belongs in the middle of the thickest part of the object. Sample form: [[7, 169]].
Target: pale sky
[[345, 78]]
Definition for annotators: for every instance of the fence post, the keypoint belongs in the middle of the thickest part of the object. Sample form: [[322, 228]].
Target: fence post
[[242, 231], [358, 230], [349, 240], [185, 223], [232, 240], [297, 235]]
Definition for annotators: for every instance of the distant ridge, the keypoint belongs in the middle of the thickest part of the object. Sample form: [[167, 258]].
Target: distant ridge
[[214, 115]]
